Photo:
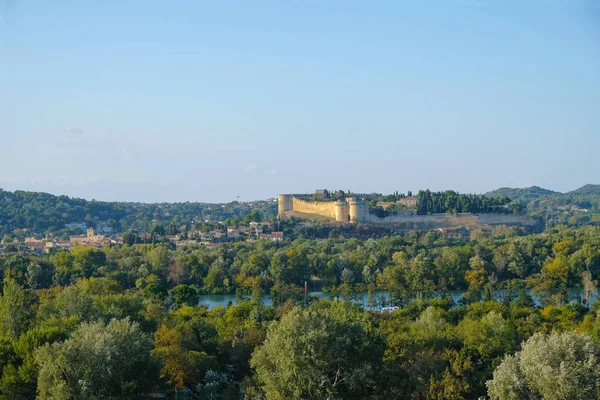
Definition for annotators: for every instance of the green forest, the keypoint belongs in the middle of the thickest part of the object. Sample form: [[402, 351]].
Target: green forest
[[130, 321], [124, 322], [25, 213], [450, 201], [42, 213]]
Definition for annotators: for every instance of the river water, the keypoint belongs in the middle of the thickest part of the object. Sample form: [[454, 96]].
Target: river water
[[214, 300]]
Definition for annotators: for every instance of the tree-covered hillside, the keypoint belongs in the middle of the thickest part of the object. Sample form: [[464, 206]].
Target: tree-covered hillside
[[43, 212], [533, 192], [588, 189], [575, 208], [126, 322]]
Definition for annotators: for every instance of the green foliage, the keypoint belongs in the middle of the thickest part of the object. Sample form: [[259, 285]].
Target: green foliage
[[155, 291], [322, 352], [16, 309], [529, 193], [97, 362], [554, 367], [450, 201], [42, 212], [54, 308], [184, 294]]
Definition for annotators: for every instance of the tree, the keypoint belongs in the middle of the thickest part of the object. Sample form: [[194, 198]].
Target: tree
[[476, 275], [88, 259], [213, 385], [490, 336], [589, 286], [322, 352], [183, 363], [15, 309], [39, 274], [154, 291], [160, 258], [257, 293], [184, 294], [97, 362], [130, 238], [554, 367]]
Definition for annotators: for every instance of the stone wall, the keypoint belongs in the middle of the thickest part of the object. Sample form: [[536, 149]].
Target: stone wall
[[424, 221], [507, 219], [450, 220], [356, 211], [323, 208]]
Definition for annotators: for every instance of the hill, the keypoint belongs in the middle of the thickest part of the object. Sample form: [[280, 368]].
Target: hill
[[520, 194], [585, 190], [42, 212]]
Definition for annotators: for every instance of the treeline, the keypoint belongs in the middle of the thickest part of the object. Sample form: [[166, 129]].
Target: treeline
[[576, 208], [123, 322], [407, 266], [450, 201], [42, 212], [94, 340]]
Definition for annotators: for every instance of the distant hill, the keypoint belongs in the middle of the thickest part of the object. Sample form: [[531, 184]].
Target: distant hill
[[42, 212], [519, 194], [536, 192], [588, 189], [576, 208]]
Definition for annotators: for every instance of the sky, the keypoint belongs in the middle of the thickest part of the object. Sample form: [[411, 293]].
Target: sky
[[219, 100]]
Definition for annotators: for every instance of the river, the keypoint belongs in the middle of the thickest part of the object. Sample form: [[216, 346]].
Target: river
[[215, 300]]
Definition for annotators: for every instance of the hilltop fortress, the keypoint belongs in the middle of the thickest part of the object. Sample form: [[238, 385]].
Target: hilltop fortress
[[355, 210], [344, 210]]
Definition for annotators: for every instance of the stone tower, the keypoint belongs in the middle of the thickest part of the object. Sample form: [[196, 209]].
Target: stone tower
[[359, 210], [285, 202], [341, 211]]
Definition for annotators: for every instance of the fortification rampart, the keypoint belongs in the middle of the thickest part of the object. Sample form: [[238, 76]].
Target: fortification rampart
[[324, 208], [424, 221], [507, 219], [357, 211]]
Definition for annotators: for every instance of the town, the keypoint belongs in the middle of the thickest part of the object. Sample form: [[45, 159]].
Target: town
[[210, 239]]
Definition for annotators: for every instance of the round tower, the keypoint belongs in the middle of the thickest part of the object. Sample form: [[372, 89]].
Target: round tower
[[359, 210], [285, 202], [341, 211]]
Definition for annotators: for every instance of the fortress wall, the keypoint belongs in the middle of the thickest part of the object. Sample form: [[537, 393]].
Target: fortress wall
[[324, 208], [450, 220], [506, 219], [424, 221], [357, 211]]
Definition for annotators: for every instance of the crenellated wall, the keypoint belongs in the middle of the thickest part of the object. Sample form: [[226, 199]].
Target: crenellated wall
[[324, 208], [357, 211]]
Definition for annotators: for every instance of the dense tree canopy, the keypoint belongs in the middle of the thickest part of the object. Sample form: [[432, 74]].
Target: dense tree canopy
[[43, 212], [553, 367], [124, 321], [326, 351]]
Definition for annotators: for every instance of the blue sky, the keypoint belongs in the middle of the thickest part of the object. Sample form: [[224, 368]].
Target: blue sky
[[207, 101]]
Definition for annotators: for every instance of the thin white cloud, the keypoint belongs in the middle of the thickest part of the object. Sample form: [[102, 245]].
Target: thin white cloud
[[75, 131], [259, 169]]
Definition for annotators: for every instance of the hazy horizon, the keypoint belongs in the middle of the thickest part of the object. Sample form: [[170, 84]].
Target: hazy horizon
[[151, 102]]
